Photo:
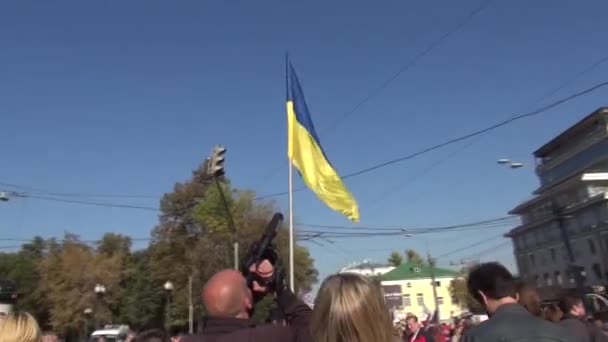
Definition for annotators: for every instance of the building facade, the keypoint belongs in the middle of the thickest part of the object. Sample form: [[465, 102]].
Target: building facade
[[562, 240], [408, 289]]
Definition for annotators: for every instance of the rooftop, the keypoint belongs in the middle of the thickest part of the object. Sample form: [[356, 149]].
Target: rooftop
[[414, 271], [575, 129]]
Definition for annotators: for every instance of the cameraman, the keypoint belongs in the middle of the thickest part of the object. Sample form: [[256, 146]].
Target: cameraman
[[229, 303]]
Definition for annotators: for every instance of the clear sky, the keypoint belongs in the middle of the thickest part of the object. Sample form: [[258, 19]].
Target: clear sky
[[127, 97]]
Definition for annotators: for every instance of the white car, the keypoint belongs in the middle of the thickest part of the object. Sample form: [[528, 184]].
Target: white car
[[111, 333]]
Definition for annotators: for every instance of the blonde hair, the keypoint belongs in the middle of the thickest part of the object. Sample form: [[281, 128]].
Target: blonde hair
[[351, 308], [19, 327]]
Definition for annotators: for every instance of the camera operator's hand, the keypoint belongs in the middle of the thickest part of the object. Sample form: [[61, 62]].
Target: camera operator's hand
[[264, 270]]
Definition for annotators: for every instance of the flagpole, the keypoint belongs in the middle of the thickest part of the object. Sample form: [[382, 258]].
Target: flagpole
[[291, 234]]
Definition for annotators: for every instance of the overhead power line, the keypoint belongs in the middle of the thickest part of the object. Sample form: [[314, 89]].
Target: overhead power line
[[411, 63], [71, 194], [405, 67], [74, 201], [469, 246], [406, 229], [461, 138]]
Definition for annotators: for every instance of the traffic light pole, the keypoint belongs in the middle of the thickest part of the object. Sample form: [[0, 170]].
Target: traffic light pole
[[230, 223]]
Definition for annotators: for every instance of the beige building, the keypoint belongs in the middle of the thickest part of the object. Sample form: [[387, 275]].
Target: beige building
[[408, 289]]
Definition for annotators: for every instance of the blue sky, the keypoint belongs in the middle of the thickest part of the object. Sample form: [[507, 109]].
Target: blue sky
[[117, 97]]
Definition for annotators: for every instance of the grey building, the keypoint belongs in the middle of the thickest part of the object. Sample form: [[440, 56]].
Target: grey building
[[563, 236]]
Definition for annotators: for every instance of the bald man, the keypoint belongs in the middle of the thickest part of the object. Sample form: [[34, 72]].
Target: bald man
[[229, 303]]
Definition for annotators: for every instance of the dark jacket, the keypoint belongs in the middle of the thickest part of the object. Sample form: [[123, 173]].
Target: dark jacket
[[297, 315], [511, 322], [581, 330], [576, 327]]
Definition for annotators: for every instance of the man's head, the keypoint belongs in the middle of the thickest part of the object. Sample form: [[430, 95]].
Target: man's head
[[492, 285], [412, 323], [226, 295], [573, 306]]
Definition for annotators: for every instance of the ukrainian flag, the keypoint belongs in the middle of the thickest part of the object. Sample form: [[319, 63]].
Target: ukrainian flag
[[305, 152]]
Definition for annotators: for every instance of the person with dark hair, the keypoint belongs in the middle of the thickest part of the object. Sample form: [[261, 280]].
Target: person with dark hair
[[495, 288], [154, 335], [553, 313], [528, 298], [574, 320]]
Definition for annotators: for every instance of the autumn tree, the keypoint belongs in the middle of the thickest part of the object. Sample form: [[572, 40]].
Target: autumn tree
[[395, 259], [69, 273], [459, 291], [414, 258]]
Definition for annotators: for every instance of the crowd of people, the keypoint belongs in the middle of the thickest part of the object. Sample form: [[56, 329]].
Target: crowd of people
[[351, 308]]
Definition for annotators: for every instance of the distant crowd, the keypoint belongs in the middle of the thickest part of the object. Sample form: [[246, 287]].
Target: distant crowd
[[351, 308]]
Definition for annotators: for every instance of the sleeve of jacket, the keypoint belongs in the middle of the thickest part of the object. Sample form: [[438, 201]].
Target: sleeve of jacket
[[297, 314]]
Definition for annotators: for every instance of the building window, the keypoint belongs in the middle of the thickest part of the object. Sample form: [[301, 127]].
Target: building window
[[538, 280], [532, 260], [553, 254], [420, 299], [558, 277], [408, 285], [416, 269], [548, 279], [440, 300], [591, 246], [407, 301]]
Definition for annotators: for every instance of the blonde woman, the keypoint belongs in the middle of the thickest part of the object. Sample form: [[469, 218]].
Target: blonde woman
[[351, 308], [19, 327]]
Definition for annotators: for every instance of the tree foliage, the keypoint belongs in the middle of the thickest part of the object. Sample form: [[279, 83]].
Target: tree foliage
[[56, 278], [395, 259], [413, 257], [459, 291]]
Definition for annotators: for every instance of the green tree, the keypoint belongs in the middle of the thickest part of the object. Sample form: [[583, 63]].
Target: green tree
[[414, 258], [22, 269], [395, 259], [194, 238]]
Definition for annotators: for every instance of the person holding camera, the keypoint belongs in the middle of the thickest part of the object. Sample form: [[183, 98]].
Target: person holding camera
[[229, 299]]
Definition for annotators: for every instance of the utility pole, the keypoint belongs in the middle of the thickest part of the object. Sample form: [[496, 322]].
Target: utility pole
[[434, 282], [190, 307]]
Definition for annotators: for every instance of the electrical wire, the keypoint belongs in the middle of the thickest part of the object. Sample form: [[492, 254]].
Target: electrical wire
[[407, 66], [461, 138], [469, 246], [67, 194]]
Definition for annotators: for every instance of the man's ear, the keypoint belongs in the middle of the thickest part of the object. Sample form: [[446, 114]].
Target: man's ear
[[483, 296]]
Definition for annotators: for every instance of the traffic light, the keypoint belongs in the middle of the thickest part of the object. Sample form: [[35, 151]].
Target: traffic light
[[216, 162]]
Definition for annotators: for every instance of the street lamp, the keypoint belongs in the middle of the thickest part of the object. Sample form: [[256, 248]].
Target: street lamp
[[88, 312], [168, 291], [100, 291]]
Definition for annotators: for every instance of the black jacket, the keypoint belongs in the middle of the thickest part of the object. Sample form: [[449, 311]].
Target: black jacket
[[511, 322], [296, 313], [581, 330]]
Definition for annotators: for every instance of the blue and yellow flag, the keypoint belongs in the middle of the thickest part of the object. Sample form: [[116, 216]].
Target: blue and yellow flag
[[305, 152]]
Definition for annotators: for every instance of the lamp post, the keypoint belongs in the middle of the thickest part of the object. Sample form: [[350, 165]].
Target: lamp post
[[87, 317], [168, 291], [100, 291]]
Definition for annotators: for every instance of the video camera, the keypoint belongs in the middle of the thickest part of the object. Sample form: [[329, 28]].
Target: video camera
[[263, 250]]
